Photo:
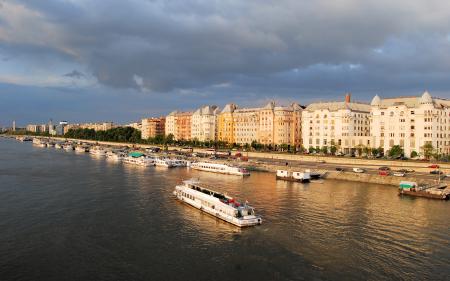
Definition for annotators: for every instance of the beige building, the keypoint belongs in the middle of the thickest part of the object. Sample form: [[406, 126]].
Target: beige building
[[135, 125], [152, 127], [280, 124], [269, 125], [33, 128], [204, 123], [344, 125], [411, 122], [179, 125], [102, 126]]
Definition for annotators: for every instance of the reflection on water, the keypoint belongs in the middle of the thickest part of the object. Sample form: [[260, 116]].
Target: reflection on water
[[86, 218]]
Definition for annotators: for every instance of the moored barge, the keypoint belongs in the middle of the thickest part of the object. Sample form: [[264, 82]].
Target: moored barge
[[438, 191]]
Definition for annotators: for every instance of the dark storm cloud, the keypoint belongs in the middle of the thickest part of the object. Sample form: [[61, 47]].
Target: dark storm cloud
[[217, 51], [74, 74]]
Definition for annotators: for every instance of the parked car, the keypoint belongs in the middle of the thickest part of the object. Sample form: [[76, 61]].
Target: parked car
[[383, 173], [436, 172], [358, 170], [384, 168], [321, 161], [434, 166], [339, 169], [398, 174]]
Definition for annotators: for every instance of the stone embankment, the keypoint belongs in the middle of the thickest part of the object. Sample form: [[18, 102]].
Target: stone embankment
[[347, 176]]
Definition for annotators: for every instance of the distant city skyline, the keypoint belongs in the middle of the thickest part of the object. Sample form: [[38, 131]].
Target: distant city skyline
[[120, 61]]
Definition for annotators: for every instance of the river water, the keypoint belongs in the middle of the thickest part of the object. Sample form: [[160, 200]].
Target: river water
[[69, 216]]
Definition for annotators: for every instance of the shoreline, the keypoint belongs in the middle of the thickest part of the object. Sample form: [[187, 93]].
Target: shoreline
[[270, 162]]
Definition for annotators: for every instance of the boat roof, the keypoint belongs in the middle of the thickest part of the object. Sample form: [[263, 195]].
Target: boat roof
[[207, 190], [136, 154]]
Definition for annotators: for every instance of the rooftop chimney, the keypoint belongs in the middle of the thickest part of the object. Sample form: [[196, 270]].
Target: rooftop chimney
[[348, 97]]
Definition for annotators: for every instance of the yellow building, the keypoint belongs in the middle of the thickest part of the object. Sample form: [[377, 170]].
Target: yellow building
[[225, 124]]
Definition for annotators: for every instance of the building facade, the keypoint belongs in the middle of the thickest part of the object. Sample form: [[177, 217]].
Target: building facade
[[204, 123], [225, 124], [411, 122], [152, 127], [344, 125], [178, 124], [268, 125]]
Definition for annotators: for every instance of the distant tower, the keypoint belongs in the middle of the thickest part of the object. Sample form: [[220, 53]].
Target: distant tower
[[14, 125], [348, 97]]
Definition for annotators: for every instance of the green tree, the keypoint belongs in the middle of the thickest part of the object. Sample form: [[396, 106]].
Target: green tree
[[333, 150], [414, 154], [324, 150], [360, 149], [367, 150], [428, 150], [396, 151]]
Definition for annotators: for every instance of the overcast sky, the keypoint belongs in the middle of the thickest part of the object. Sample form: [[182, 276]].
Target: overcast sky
[[83, 60]]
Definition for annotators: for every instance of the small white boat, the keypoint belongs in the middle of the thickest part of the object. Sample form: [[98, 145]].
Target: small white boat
[[81, 148], [97, 151], [217, 204], [68, 147], [220, 168], [293, 176], [58, 145]]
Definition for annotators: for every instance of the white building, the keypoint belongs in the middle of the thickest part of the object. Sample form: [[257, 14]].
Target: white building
[[171, 123], [344, 125], [411, 122], [204, 123]]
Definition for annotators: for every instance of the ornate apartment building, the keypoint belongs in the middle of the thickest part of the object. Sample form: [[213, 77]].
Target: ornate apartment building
[[204, 123], [152, 127], [411, 122], [345, 125], [225, 124], [179, 125], [274, 125]]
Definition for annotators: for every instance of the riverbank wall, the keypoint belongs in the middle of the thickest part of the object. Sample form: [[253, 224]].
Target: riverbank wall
[[348, 176]]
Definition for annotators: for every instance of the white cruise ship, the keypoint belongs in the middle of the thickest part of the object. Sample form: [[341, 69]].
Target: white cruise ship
[[220, 168], [216, 204], [115, 156], [163, 162], [140, 161]]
